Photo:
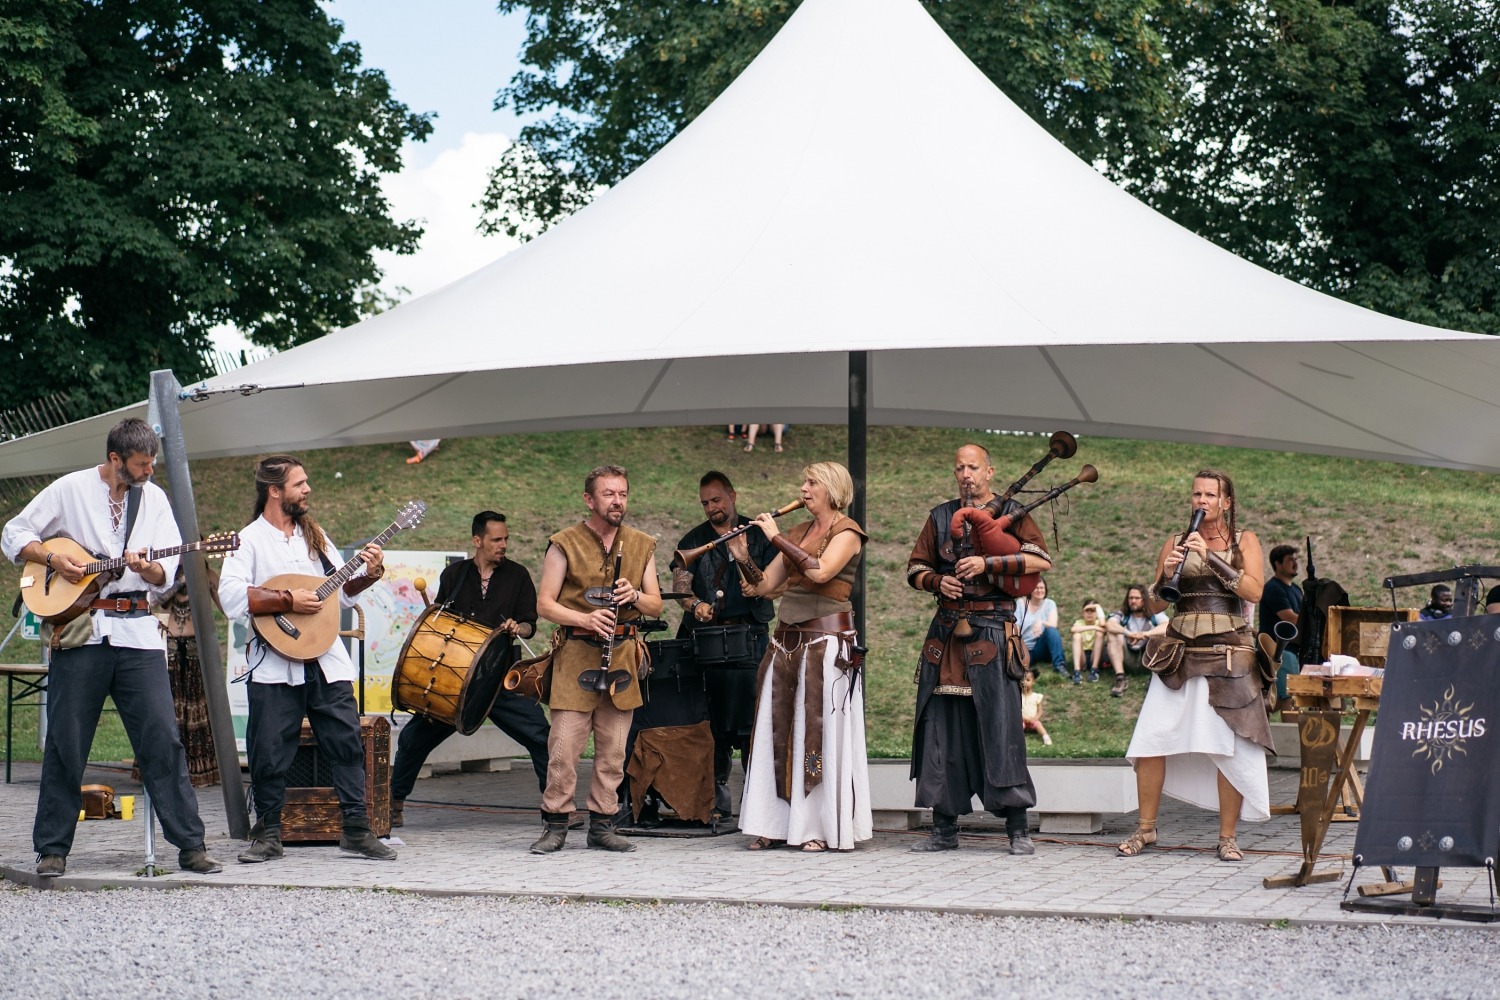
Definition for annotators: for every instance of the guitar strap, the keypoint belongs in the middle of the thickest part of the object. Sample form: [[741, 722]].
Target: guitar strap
[[132, 508]]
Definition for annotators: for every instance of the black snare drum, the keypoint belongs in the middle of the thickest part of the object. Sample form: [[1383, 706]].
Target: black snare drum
[[672, 658], [733, 645]]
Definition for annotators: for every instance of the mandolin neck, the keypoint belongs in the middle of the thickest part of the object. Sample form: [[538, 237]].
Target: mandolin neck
[[346, 572], [110, 565]]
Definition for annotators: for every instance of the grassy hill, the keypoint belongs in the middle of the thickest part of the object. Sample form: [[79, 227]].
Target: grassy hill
[[1367, 520]]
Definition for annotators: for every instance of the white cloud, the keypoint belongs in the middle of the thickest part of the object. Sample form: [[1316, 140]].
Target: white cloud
[[444, 195]]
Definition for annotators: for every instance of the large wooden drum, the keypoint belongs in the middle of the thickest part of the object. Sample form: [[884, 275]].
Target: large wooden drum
[[450, 669]]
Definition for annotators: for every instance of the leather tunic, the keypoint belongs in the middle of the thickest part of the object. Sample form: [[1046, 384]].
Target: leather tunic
[[1219, 646]]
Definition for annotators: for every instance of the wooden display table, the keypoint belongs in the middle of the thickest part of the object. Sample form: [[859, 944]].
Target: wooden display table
[[1328, 774]]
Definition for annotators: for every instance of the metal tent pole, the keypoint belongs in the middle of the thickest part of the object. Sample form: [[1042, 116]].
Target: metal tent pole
[[859, 379], [164, 418]]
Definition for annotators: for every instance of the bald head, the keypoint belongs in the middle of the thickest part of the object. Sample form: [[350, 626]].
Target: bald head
[[972, 471]]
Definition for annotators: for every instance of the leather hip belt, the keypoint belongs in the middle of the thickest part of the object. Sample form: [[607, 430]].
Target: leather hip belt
[[999, 607], [622, 633], [840, 621], [122, 605]]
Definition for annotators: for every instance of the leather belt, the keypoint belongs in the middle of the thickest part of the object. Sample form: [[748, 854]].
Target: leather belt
[[839, 621], [963, 605], [121, 605], [621, 632]]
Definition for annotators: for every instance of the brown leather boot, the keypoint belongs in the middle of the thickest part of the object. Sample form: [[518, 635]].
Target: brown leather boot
[[398, 812], [554, 833], [603, 836]]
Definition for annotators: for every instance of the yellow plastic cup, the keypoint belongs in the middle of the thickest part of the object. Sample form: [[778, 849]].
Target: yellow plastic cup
[[127, 806]]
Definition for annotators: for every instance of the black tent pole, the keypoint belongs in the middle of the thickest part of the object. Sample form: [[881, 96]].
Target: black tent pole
[[859, 372]]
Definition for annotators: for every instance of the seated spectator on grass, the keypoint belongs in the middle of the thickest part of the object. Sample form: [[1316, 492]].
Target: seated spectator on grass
[[1036, 617], [1127, 630], [1031, 709], [1088, 647]]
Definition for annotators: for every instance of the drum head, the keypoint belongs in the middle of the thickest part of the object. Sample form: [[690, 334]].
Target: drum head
[[482, 686]]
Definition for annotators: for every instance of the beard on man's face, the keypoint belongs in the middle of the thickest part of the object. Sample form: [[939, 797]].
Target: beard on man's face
[[293, 510], [718, 516]]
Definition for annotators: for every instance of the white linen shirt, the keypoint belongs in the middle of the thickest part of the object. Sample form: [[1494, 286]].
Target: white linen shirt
[[266, 552], [77, 505]]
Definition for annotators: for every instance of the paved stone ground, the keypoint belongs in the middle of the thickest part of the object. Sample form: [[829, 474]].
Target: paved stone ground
[[468, 833]]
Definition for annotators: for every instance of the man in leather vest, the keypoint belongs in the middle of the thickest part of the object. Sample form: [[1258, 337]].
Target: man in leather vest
[[719, 603], [596, 607], [969, 738]]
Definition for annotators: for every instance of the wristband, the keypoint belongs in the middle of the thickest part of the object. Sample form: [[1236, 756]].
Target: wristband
[[49, 559]]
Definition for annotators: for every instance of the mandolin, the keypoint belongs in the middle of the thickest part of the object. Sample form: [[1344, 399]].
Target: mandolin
[[54, 600], [306, 636]]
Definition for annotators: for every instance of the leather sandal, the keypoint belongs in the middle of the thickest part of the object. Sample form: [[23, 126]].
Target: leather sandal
[[1137, 842], [764, 844], [1229, 850], [814, 847]]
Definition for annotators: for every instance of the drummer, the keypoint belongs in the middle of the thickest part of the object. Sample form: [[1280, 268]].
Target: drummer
[[498, 594], [733, 627]]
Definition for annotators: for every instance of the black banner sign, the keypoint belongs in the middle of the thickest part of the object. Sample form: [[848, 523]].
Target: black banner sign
[[1433, 795]]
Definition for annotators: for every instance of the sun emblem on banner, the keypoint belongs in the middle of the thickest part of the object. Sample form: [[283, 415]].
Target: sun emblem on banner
[[1441, 749]]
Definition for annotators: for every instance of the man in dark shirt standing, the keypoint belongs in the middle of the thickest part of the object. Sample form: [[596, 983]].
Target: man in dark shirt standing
[[1281, 600], [499, 594], [718, 602]]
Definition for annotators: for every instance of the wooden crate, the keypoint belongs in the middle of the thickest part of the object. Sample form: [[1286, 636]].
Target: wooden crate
[[1363, 633], [312, 810]]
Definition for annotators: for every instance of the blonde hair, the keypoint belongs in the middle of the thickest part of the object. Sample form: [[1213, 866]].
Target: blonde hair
[[834, 478]]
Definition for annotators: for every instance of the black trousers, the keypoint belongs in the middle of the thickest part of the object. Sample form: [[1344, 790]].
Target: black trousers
[[731, 713], [136, 679], [518, 717], [274, 731]]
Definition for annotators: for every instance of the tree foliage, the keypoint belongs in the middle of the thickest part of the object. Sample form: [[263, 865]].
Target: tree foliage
[[1349, 144], [169, 166]]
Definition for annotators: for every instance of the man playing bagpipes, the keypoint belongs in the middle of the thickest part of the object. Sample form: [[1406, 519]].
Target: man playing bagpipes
[[969, 738]]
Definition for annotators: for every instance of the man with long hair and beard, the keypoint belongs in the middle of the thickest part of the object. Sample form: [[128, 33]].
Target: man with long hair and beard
[[116, 650], [282, 539]]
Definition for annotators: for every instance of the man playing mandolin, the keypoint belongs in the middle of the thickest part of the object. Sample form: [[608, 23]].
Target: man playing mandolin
[[116, 651], [284, 539]]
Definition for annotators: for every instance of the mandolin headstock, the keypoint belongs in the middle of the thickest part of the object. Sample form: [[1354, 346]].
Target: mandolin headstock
[[411, 515], [220, 543]]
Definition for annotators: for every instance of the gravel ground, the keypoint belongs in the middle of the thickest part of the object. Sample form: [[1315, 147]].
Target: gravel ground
[[342, 943]]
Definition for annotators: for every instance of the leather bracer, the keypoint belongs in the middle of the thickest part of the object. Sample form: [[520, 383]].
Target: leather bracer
[[269, 602], [795, 554], [360, 584], [1224, 571]]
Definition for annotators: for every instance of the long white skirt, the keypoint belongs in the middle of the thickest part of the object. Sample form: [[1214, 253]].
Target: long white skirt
[[1182, 727], [837, 811]]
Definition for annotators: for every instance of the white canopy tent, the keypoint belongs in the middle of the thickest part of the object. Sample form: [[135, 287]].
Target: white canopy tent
[[862, 187]]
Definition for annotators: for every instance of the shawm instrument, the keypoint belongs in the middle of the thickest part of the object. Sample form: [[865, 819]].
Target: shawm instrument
[[54, 600], [306, 636]]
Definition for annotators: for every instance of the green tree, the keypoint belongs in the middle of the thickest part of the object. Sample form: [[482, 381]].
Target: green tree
[[1352, 146], [169, 166], [1348, 144]]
